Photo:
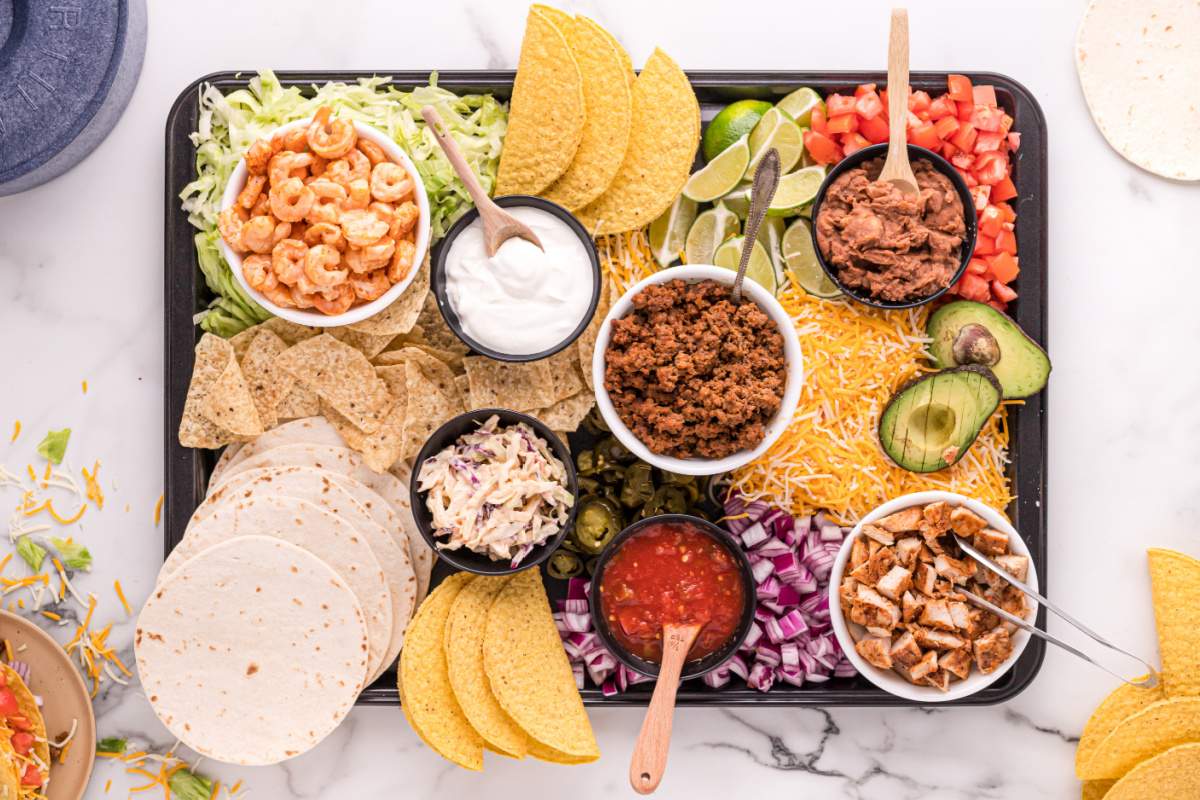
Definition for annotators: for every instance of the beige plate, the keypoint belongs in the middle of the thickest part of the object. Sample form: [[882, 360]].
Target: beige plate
[[64, 697]]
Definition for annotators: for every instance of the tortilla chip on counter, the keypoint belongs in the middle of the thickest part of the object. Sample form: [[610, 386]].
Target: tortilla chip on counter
[[1122, 703], [291, 332], [567, 415], [547, 111], [269, 383], [1175, 588], [400, 317], [426, 694], [519, 386], [662, 148], [1169, 775], [213, 355], [1142, 735], [434, 331], [464, 659], [299, 403], [529, 672], [342, 377], [369, 344]]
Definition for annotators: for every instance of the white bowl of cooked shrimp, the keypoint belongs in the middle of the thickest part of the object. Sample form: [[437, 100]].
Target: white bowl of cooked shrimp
[[326, 223]]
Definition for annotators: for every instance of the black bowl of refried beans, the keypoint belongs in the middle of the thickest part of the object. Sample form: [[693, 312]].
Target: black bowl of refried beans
[[885, 249]]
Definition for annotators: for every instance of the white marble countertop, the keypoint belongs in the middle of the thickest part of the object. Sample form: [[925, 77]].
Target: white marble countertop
[[81, 287]]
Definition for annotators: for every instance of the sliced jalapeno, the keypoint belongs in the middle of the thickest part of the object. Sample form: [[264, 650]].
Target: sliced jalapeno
[[564, 564], [597, 522]]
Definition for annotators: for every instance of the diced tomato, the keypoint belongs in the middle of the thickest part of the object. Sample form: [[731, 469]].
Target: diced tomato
[[984, 95], [984, 245], [842, 123], [853, 142], [1014, 141], [964, 139], [980, 195], [942, 107], [32, 776], [960, 89], [987, 141], [22, 742], [1006, 212], [946, 127], [1006, 241], [19, 722], [1006, 123], [817, 122], [913, 121], [990, 219], [991, 168], [1004, 190], [924, 135], [987, 119], [8, 703], [868, 105], [875, 129], [1004, 267], [968, 178], [838, 104], [864, 88], [1003, 292], [977, 266], [996, 304], [822, 149], [948, 150], [963, 160], [973, 287], [918, 101], [965, 110]]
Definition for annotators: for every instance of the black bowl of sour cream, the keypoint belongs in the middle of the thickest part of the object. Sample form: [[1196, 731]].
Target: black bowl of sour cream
[[524, 303]]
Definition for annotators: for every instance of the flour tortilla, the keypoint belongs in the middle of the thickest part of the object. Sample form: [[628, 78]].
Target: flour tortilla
[[309, 430], [328, 537], [348, 500], [252, 652], [345, 461], [1138, 63], [227, 455]]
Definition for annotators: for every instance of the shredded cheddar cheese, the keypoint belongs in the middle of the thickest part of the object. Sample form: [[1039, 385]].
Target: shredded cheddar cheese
[[626, 258], [121, 596], [158, 511], [85, 387], [16, 431], [92, 486]]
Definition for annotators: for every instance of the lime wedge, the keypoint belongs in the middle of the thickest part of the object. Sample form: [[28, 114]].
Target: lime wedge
[[759, 270], [732, 123], [795, 191], [669, 232], [709, 230], [801, 260], [738, 201], [720, 175], [775, 130], [799, 105], [770, 235]]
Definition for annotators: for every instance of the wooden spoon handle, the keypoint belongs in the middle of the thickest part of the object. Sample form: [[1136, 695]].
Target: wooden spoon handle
[[456, 158], [649, 760], [897, 84]]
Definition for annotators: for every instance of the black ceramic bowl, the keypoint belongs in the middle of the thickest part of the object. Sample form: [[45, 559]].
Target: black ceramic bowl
[[445, 436], [691, 669], [914, 153], [437, 276]]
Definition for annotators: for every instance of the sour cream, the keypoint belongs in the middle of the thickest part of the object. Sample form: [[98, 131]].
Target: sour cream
[[523, 300]]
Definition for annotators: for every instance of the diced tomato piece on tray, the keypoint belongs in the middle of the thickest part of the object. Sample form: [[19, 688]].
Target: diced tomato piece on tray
[[977, 266], [960, 89], [817, 122], [1006, 241], [918, 101], [991, 168], [981, 195], [984, 245], [875, 129], [842, 123], [962, 160], [1014, 141], [965, 110], [838, 104], [1004, 267], [1003, 292], [864, 88], [984, 95], [924, 135], [987, 119], [990, 218], [1004, 190], [853, 142], [973, 287], [946, 127], [868, 105], [822, 149], [987, 141], [942, 107], [964, 138]]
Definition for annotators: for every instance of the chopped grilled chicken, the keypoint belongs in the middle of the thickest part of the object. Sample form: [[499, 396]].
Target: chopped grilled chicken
[[923, 668], [907, 520], [858, 613], [977, 623], [937, 613], [905, 650], [952, 569], [875, 651], [965, 522], [937, 520], [991, 542], [895, 583], [930, 639], [960, 612], [992, 649], [1012, 600], [924, 578], [872, 546], [1017, 566], [878, 610], [911, 605], [880, 535], [907, 550], [942, 587], [858, 553], [939, 679], [956, 662]]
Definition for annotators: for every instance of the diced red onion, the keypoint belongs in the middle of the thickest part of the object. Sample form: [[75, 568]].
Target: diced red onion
[[762, 570], [844, 669], [577, 589], [756, 509], [600, 664], [609, 688], [716, 678], [768, 654], [788, 596], [791, 674], [774, 630], [789, 654], [769, 588], [831, 533], [578, 644], [754, 535], [577, 623], [772, 606], [772, 547], [575, 606], [577, 671], [761, 677], [792, 624], [737, 665], [752, 636]]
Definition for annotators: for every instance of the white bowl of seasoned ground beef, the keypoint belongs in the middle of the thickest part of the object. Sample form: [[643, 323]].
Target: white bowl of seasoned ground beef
[[691, 383]]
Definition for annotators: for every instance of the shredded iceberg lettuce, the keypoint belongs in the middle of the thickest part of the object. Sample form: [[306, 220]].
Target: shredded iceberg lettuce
[[230, 123]]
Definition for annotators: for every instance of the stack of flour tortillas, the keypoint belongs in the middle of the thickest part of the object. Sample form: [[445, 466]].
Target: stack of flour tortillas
[[1139, 63], [291, 590]]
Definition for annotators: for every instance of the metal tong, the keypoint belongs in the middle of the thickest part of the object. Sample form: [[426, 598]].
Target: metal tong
[[1148, 682]]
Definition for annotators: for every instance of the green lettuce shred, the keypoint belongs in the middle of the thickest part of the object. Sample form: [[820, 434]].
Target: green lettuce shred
[[72, 553], [187, 785], [32, 552], [54, 446], [112, 744], [229, 123]]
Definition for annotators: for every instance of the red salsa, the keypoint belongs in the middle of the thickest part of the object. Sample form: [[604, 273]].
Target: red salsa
[[671, 572]]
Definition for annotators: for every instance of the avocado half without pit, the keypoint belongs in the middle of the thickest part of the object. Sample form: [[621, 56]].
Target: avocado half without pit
[[966, 332], [933, 420]]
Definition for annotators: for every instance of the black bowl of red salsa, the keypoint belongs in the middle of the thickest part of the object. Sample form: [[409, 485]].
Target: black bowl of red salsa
[[672, 568]]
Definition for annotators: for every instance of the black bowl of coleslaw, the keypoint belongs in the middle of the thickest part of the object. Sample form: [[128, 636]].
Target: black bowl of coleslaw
[[523, 556]]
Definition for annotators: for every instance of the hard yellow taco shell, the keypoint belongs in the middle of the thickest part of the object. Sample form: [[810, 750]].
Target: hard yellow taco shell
[[1175, 587], [29, 710], [1169, 775], [10, 767], [1122, 703], [1144, 734]]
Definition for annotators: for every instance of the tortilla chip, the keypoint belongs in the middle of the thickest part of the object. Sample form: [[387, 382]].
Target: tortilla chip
[[1095, 790], [500, 384], [268, 382], [435, 332], [662, 148], [29, 707], [1169, 775], [547, 111], [369, 344], [464, 389], [381, 449], [300, 402], [241, 341], [1122, 703], [609, 104], [400, 316], [342, 377], [429, 701], [464, 663], [428, 407], [585, 345], [568, 414], [529, 672], [1142, 735], [290, 332], [1175, 587], [229, 404], [565, 380], [213, 355]]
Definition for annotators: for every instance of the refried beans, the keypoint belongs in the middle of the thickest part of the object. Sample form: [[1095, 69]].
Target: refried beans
[[692, 374], [885, 244]]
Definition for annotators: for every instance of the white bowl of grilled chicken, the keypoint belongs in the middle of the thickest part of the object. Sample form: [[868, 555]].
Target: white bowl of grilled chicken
[[896, 604]]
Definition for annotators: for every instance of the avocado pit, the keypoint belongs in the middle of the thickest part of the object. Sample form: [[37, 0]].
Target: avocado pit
[[976, 345]]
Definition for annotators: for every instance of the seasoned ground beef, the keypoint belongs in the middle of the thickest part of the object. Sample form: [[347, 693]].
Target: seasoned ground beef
[[692, 374]]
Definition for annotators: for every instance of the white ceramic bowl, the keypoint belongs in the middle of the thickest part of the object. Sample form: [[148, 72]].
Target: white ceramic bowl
[[358, 313], [693, 273], [888, 680]]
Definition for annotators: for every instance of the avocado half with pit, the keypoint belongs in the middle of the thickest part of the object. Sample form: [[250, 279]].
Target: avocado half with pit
[[966, 332], [933, 420]]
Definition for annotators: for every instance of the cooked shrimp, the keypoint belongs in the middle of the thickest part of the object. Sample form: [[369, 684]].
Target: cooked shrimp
[[230, 223], [330, 138], [262, 206], [300, 298], [360, 165], [284, 163], [287, 260], [382, 210], [298, 230], [317, 168], [371, 257], [371, 286], [280, 295], [361, 227], [296, 140], [291, 200], [402, 261], [390, 182], [248, 196], [325, 233], [334, 302], [258, 235], [321, 266], [372, 151], [283, 230], [256, 269], [258, 156], [403, 219], [358, 195]]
